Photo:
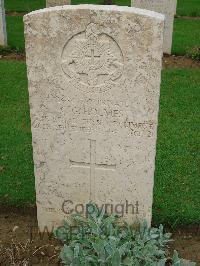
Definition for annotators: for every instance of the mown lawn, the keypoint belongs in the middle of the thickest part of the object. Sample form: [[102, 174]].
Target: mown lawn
[[188, 8], [184, 7], [186, 35], [15, 32], [177, 189], [23, 5], [16, 165], [177, 179], [29, 5]]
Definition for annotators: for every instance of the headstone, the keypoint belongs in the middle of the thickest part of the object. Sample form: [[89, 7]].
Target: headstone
[[3, 34], [94, 84], [166, 7], [175, 5], [51, 3]]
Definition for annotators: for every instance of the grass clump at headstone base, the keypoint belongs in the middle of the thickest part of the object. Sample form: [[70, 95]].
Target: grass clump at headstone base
[[186, 35], [16, 164], [194, 53], [177, 189]]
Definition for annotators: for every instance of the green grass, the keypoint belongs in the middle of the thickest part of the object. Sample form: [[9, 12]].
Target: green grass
[[186, 35], [23, 5], [184, 7], [177, 179], [16, 166], [15, 31], [122, 2], [188, 8], [30, 5], [177, 189]]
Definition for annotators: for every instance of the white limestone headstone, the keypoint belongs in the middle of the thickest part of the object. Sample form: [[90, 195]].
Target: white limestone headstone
[[3, 34], [51, 3], [166, 7], [94, 84], [175, 5]]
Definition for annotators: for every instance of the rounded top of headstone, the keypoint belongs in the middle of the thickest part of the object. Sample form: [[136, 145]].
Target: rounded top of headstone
[[109, 8]]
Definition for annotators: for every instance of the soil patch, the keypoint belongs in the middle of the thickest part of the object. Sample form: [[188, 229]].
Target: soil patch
[[21, 240], [187, 17], [187, 243], [14, 14], [171, 61], [13, 56], [20, 226]]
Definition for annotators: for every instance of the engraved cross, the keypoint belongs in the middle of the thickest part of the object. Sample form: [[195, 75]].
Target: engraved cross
[[92, 165], [93, 56]]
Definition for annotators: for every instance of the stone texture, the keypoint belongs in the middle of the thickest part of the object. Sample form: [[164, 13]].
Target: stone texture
[[175, 5], [94, 84], [3, 34], [166, 7], [50, 3]]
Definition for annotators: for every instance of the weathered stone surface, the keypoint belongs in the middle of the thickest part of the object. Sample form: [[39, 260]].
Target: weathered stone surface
[[50, 3], [94, 84], [3, 34], [166, 7], [175, 5]]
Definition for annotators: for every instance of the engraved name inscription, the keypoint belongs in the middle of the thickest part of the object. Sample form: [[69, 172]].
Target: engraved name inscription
[[85, 119]]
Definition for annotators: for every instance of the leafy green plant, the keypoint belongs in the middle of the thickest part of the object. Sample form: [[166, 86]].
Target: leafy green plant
[[104, 240], [194, 53], [176, 261], [5, 50]]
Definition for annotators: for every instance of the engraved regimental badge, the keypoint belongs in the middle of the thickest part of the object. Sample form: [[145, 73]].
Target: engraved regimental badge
[[92, 60]]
